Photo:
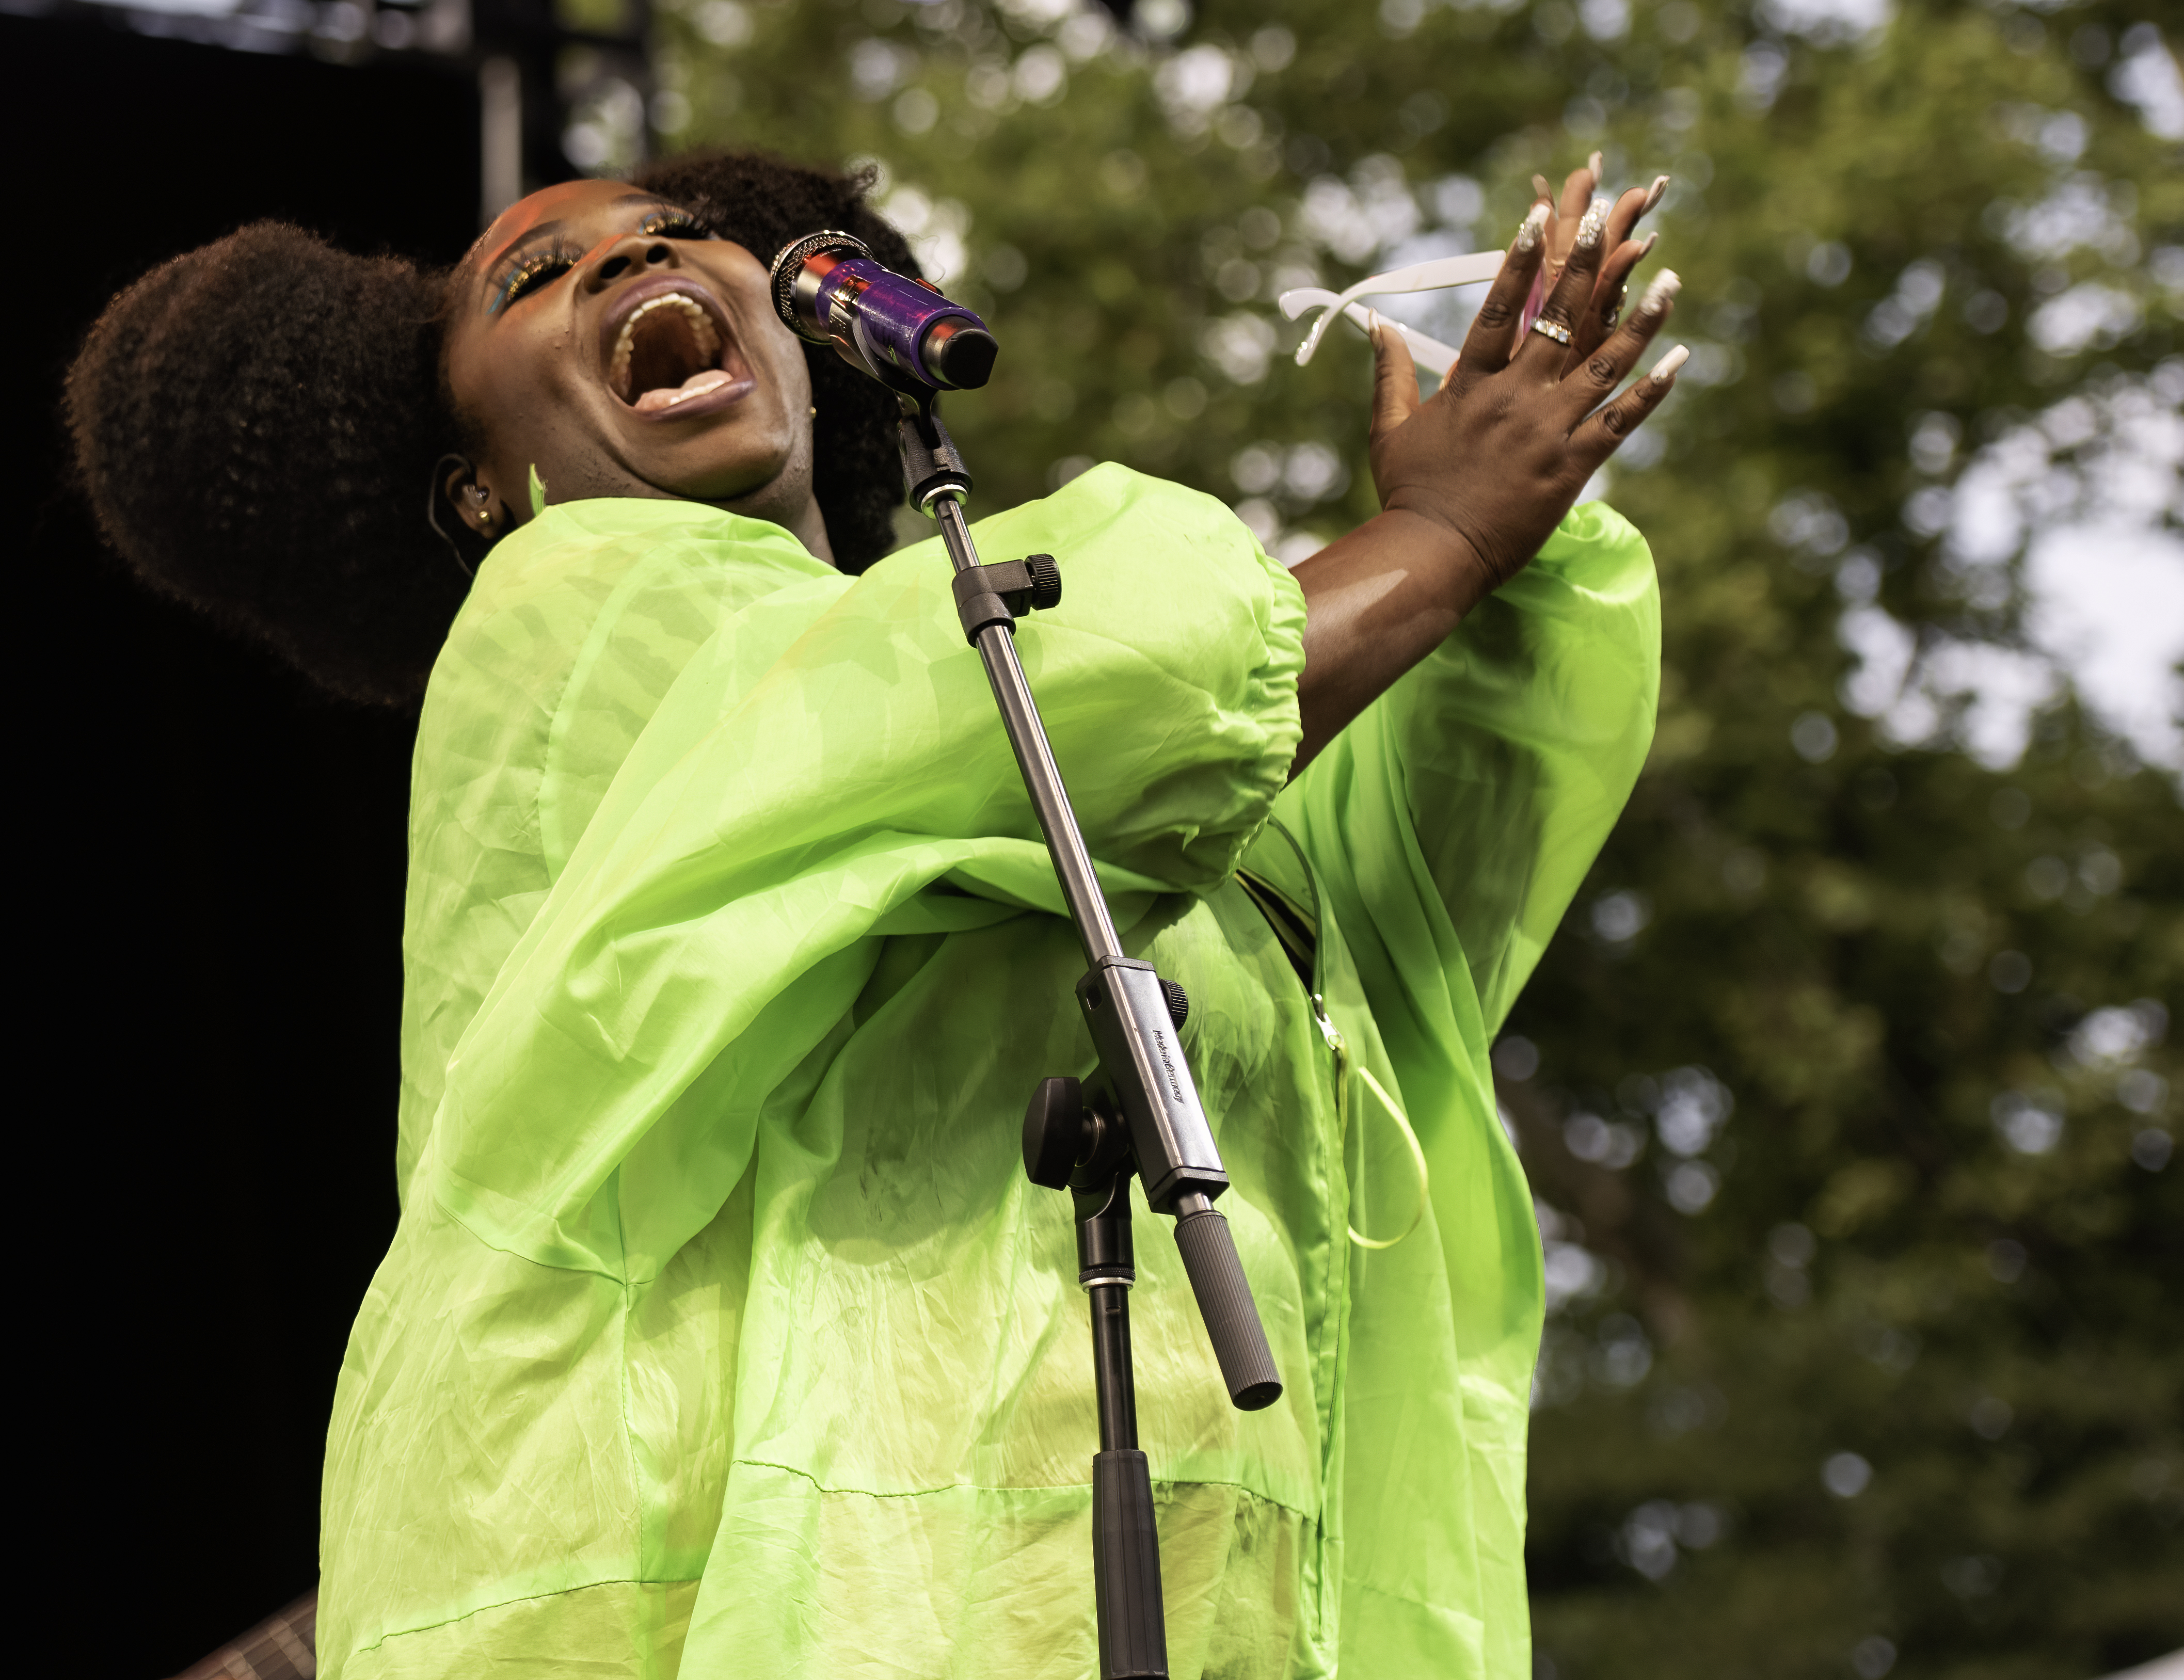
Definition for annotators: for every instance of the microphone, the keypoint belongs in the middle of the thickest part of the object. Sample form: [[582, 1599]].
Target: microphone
[[829, 289]]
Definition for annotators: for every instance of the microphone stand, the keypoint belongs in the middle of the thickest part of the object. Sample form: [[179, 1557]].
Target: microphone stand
[[1137, 1116]]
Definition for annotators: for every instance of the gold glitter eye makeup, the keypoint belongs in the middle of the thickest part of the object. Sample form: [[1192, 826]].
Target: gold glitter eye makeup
[[540, 269], [674, 225]]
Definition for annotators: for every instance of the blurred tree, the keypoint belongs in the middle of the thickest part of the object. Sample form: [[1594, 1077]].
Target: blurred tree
[[1847, 1092]]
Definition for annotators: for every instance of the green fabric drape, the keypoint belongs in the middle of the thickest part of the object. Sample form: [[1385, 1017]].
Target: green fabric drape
[[721, 1332]]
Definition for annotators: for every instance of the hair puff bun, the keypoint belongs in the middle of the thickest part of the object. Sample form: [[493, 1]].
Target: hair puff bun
[[257, 423]]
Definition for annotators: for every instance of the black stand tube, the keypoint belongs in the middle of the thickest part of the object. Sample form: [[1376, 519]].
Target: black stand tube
[[1140, 1115], [1125, 1541]]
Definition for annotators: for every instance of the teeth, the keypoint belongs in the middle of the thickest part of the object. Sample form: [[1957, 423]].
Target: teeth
[[701, 326]]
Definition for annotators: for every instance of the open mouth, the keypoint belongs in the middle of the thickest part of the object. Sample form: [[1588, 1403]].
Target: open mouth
[[669, 350]]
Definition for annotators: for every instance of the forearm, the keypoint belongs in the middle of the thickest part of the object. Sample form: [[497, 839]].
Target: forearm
[[1376, 603]]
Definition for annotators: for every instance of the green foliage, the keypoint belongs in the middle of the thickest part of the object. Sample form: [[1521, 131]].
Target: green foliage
[[1849, 1139]]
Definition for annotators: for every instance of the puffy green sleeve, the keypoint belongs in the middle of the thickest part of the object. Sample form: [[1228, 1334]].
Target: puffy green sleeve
[[572, 634], [723, 907], [1449, 827], [1460, 812]]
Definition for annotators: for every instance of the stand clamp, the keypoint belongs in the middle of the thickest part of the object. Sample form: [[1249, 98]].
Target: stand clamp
[[1003, 592]]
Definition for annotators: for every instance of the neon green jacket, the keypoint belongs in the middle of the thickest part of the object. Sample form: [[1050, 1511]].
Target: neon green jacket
[[722, 1334]]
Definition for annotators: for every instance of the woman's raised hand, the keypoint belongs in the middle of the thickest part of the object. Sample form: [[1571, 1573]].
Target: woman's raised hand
[[1474, 478], [1625, 252], [1497, 455]]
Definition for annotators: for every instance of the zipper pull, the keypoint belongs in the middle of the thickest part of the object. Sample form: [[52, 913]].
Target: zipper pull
[[1340, 1047]]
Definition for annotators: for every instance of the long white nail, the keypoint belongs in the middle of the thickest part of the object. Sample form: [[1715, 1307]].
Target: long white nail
[[1534, 224], [1593, 163], [1379, 328], [1646, 249], [1665, 369], [1655, 194], [1589, 230], [1540, 186], [1666, 285]]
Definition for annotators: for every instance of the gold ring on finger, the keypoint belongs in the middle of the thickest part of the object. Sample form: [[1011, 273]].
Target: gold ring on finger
[[1554, 330]]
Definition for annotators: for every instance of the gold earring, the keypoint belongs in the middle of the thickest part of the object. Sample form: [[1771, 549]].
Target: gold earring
[[813, 411]]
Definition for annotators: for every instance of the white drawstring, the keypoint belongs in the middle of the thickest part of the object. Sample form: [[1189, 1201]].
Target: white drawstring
[[1434, 275], [1429, 353]]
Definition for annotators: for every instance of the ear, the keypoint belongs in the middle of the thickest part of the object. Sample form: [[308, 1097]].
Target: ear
[[472, 498]]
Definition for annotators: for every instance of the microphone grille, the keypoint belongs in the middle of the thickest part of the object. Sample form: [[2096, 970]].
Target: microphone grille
[[789, 265]]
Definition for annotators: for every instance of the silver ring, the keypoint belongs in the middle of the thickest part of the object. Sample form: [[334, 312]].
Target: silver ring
[[1553, 329]]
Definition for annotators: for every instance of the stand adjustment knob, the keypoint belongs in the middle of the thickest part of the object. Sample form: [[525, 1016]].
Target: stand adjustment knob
[[1046, 581], [1179, 1003], [1054, 1132]]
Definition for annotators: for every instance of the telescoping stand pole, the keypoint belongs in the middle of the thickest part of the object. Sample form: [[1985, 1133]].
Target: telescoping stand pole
[[1138, 1116]]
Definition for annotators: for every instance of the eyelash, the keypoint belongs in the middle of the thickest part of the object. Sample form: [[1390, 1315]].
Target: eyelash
[[543, 267], [533, 272], [675, 225]]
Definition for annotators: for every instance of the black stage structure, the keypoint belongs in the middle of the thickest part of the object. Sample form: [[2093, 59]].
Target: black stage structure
[[206, 889]]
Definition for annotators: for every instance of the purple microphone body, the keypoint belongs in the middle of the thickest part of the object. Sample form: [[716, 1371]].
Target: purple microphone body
[[829, 289]]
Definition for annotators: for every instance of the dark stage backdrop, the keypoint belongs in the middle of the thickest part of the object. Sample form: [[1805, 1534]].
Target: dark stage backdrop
[[207, 886]]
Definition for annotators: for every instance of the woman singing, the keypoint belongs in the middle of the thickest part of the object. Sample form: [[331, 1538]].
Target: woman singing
[[721, 1333]]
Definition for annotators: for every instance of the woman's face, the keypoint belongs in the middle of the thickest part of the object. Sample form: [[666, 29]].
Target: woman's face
[[598, 334]]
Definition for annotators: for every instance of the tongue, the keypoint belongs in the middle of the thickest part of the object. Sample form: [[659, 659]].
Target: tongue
[[697, 385]]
